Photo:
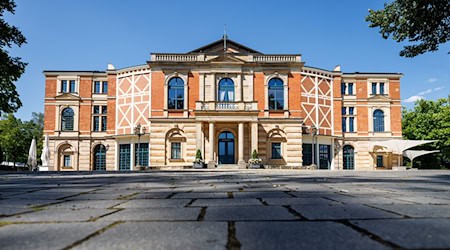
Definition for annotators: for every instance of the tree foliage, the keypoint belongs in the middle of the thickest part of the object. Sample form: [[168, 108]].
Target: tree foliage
[[16, 136], [425, 23], [430, 120], [11, 68]]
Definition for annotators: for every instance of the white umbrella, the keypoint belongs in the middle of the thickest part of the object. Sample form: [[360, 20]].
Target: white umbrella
[[45, 156], [32, 158], [411, 154]]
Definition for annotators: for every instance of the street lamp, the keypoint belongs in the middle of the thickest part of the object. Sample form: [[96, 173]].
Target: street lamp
[[139, 133], [314, 133]]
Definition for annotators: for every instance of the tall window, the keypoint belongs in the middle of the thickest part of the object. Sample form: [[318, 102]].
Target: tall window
[[175, 150], [67, 119], [64, 86], [374, 88], [97, 87], [350, 88], [381, 88], [142, 150], [72, 86], [100, 87], [276, 94], [100, 157], [176, 93], [347, 88], [378, 121], [324, 156], [343, 87], [226, 90], [124, 156], [307, 154], [99, 118], [276, 150], [379, 161], [348, 119], [349, 157], [344, 124]]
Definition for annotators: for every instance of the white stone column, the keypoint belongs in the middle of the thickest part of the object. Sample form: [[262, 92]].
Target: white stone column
[[211, 163], [241, 161], [254, 137], [198, 136]]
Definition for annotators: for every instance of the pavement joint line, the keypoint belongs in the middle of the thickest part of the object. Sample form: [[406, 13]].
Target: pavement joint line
[[295, 212], [327, 198], [403, 215], [127, 197], [288, 193], [262, 201], [115, 206], [369, 234], [190, 202], [201, 216], [232, 241], [170, 195], [96, 233], [104, 215]]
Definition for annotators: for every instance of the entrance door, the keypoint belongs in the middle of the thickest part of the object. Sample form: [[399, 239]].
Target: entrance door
[[349, 158], [100, 157], [226, 148]]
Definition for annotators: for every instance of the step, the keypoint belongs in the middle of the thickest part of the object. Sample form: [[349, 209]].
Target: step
[[228, 166]]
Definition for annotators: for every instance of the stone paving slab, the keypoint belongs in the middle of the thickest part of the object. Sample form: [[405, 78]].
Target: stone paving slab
[[46, 236], [298, 201], [225, 202], [94, 196], [54, 215], [366, 199], [25, 203], [301, 235], [154, 214], [248, 213], [152, 195], [411, 233], [194, 195], [83, 204], [6, 211], [261, 195], [418, 210], [154, 203], [341, 211], [161, 235], [42, 195]]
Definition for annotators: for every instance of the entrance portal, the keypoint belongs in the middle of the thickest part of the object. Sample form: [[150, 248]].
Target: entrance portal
[[226, 148]]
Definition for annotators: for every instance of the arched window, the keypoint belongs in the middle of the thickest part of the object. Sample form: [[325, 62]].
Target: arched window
[[226, 90], [378, 121], [67, 119], [349, 157], [100, 157], [276, 94], [176, 93]]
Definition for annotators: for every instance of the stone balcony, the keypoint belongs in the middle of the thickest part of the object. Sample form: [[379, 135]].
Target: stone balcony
[[226, 106], [179, 57]]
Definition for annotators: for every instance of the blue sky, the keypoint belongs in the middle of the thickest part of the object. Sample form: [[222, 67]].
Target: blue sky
[[87, 35]]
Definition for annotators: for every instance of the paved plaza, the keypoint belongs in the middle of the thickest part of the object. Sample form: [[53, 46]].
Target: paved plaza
[[260, 209]]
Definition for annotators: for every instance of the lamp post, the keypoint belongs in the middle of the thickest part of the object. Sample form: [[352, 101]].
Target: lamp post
[[137, 131], [314, 133]]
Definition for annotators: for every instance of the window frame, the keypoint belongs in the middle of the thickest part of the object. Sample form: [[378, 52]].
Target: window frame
[[279, 154], [64, 122], [176, 88], [226, 88], [173, 150], [378, 124], [276, 99]]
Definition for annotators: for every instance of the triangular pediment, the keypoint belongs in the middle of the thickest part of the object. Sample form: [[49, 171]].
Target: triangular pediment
[[67, 96], [380, 98], [226, 58], [232, 47]]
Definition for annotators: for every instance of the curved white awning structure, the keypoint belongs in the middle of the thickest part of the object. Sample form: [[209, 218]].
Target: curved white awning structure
[[399, 145], [412, 154]]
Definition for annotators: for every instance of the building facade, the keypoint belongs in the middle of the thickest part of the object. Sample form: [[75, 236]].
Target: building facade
[[226, 100]]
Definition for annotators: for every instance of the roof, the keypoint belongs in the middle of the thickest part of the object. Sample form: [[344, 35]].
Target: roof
[[221, 42]]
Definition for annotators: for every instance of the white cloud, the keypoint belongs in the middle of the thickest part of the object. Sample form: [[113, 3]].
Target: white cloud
[[425, 92], [432, 80], [413, 98], [438, 88]]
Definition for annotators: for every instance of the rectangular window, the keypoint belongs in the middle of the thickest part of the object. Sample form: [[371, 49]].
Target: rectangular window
[[96, 87], [104, 87], [307, 154], [350, 88], [381, 88], [124, 156], [351, 110], [344, 110], [344, 124], [175, 150], [67, 162], [72, 86], [276, 150], [324, 156], [96, 123], [104, 123], [343, 88], [351, 121], [379, 161], [64, 86], [142, 150], [374, 88]]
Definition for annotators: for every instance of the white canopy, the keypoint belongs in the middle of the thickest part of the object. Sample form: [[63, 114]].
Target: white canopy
[[399, 145], [412, 154]]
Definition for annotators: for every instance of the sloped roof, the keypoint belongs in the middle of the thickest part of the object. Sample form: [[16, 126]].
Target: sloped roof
[[214, 46]]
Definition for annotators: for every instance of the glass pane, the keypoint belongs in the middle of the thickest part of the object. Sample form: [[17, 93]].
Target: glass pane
[[124, 156], [96, 109], [104, 123], [351, 110], [104, 110], [350, 88], [343, 88], [96, 87], [307, 154], [381, 88], [72, 86], [344, 124], [351, 124], [105, 87], [63, 86]]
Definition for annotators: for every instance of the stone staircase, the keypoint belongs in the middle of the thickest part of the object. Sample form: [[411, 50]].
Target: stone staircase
[[227, 166]]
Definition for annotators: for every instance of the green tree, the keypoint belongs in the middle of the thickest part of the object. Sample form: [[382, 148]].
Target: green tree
[[11, 68], [429, 120], [424, 23]]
